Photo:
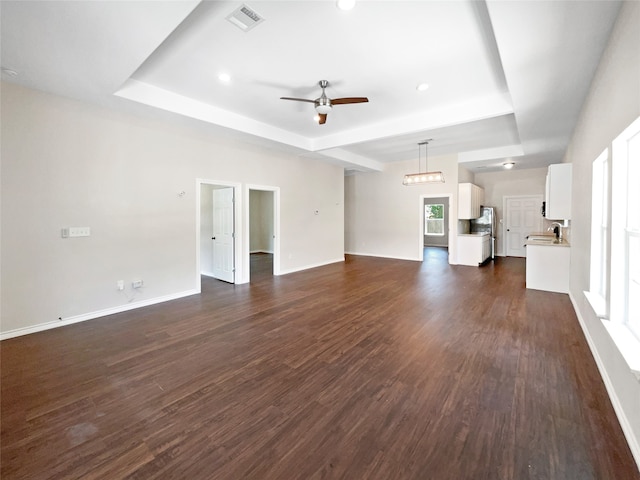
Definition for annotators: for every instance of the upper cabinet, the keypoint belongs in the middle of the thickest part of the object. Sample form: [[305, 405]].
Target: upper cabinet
[[470, 199], [558, 192]]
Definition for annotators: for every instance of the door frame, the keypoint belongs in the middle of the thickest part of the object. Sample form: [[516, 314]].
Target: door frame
[[246, 244], [505, 217], [237, 255], [452, 224]]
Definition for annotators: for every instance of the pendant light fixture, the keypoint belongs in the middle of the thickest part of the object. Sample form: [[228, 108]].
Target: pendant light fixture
[[426, 177]]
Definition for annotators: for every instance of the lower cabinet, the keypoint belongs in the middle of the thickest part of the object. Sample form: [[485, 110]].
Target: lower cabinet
[[548, 268], [473, 249]]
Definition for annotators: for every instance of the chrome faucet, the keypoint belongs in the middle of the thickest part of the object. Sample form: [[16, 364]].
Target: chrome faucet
[[557, 229]]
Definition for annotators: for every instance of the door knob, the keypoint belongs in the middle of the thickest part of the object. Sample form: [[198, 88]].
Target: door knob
[[213, 238]]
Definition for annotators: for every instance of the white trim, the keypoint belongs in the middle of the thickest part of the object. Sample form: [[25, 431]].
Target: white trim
[[93, 315], [308, 267], [632, 441], [363, 254], [598, 303], [626, 343]]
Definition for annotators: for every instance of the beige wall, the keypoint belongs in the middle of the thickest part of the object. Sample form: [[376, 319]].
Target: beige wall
[[68, 163], [612, 104], [465, 175], [384, 218]]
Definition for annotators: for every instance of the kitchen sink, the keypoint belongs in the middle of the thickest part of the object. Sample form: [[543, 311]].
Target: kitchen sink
[[542, 239]]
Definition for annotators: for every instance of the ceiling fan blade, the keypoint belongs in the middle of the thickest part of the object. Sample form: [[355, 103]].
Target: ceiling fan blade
[[342, 101], [298, 99], [323, 118]]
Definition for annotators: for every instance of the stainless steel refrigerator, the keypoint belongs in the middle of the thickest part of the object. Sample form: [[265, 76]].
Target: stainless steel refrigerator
[[487, 222]]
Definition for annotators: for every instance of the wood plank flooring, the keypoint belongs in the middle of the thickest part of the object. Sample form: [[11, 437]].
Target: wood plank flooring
[[371, 369]]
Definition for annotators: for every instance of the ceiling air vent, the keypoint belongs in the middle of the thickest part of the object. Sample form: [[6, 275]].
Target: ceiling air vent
[[245, 18]]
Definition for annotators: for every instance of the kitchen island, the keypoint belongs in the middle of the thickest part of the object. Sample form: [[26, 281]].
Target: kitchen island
[[473, 248], [548, 261]]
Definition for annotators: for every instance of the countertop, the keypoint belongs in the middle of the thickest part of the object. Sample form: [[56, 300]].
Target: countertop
[[545, 240]]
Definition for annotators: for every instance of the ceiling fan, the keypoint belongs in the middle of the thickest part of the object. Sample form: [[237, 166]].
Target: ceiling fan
[[323, 104]]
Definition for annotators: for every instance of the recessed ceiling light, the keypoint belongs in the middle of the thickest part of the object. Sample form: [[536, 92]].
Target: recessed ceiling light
[[224, 77], [508, 165], [421, 87], [346, 4]]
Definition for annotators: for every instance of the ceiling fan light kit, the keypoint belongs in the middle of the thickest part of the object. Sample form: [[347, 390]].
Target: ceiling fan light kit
[[323, 107], [324, 104], [346, 4], [421, 178]]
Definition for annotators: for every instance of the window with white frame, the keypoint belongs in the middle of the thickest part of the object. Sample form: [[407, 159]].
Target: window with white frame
[[598, 284], [625, 229], [434, 219]]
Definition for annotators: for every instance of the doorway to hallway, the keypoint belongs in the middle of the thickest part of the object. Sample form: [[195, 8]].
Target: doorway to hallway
[[263, 232]]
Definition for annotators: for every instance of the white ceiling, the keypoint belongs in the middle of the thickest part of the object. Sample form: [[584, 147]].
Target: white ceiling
[[506, 79]]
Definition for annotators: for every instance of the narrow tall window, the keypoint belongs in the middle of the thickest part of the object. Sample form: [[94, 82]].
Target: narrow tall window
[[625, 229], [434, 219]]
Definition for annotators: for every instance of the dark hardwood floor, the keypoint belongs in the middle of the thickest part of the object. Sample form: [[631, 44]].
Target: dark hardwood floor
[[371, 369]]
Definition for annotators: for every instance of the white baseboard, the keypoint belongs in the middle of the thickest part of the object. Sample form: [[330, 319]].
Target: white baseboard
[[632, 441], [207, 274], [382, 256], [307, 267], [92, 315]]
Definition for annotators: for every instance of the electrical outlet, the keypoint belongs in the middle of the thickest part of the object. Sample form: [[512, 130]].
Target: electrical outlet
[[120, 284], [79, 231], [75, 232], [136, 283]]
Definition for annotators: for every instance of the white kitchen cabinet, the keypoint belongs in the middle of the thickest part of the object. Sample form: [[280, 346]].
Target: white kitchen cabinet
[[548, 267], [558, 192], [470, 199], [473, 248]]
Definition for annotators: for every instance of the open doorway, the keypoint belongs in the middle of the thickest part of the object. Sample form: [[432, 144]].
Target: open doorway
[[435, 225], [217, 250], [436, 218], [263, 232]]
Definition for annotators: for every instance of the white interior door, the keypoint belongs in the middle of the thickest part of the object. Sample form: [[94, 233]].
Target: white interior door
[[223, 234], [522, 215]]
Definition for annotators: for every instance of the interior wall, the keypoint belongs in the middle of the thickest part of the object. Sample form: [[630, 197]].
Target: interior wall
[[612, 104], [509, 182], [383, 216], [465, 175], [69, 163], [261, 221]]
